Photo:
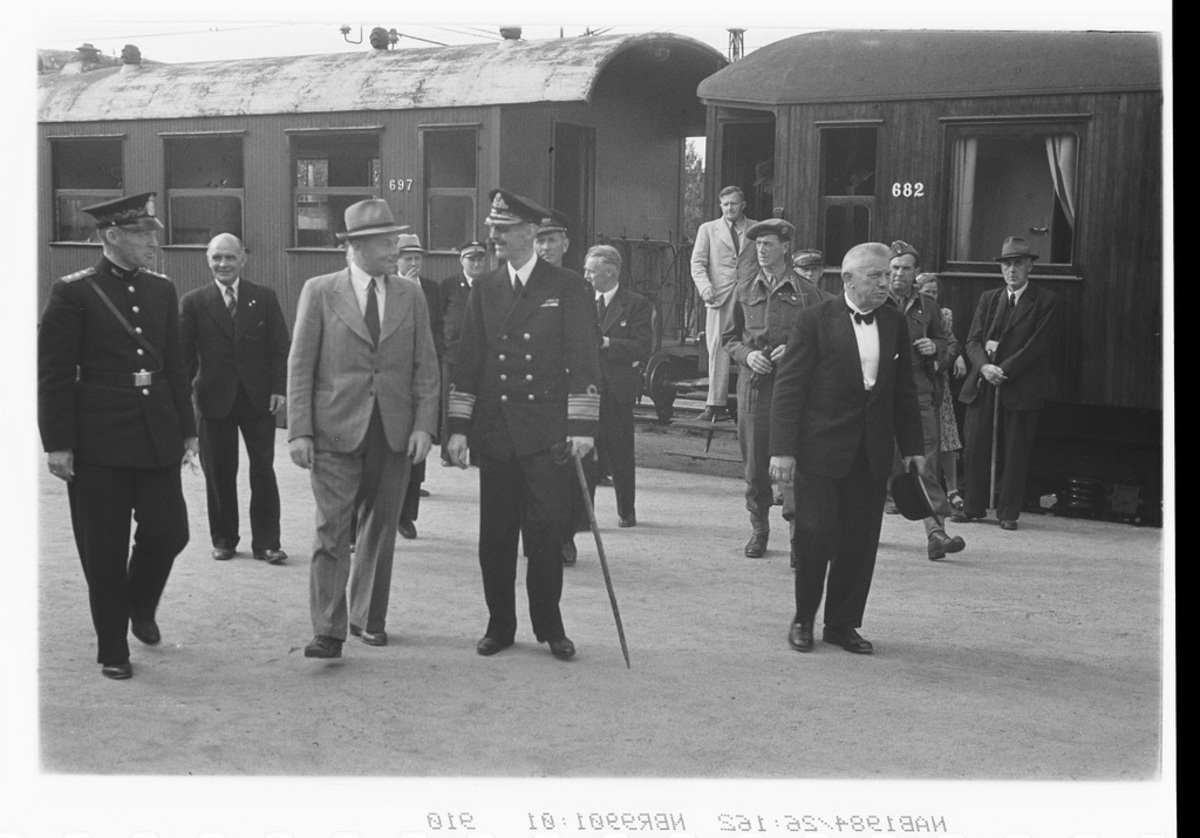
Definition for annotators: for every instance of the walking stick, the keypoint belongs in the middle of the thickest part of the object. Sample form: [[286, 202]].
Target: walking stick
[[992, 504], [612, 596]]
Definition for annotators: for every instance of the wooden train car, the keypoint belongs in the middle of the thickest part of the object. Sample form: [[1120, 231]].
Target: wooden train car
[[953, 141], [274, 149]]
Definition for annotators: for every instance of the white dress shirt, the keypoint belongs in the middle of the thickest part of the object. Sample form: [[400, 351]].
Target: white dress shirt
[[522, 273], [360, 279], [867, 337]]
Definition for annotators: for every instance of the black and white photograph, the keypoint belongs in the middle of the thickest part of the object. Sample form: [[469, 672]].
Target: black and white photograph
[[551, 421]]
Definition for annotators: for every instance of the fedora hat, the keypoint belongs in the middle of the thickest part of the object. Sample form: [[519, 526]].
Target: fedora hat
[[410, 243], [370, 218], [1014, 248], [909, 495]]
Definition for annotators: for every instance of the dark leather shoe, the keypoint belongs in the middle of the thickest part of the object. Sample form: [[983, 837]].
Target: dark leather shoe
[[117, 671], [562, 649], [800, 637], [488, 646], [222, 554], [628, 521], [1008, 525], [271, 556], [940, 544], [323, 646], [407, 528], [965, 517], [569, 553], [604, 481], [712, 413], [371, 638], [756, 547], [145, 630], [848, 639]]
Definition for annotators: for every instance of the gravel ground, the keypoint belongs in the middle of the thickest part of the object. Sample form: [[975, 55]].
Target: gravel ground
[[1034, 655]]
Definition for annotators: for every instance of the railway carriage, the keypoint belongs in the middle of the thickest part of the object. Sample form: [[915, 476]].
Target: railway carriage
[[953, 141]]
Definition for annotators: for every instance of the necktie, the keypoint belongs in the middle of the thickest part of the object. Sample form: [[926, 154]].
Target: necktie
[[733, 232], [516, 283], [867, 318], [1012, 299], [601, 308], [372, 313], [231, 302]]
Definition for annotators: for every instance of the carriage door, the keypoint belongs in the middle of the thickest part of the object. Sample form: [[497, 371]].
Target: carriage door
[[574, 185]]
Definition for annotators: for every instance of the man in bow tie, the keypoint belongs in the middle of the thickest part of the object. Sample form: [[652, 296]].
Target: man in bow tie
[[844, 396], [235, 348], [362, 408], [1010, 346]]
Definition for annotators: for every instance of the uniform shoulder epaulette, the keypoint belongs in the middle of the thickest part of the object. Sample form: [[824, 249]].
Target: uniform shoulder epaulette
[[154, 274], [78, 275]]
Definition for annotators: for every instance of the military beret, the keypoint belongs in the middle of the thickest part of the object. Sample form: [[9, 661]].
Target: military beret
[[903, 248], [781, 228]]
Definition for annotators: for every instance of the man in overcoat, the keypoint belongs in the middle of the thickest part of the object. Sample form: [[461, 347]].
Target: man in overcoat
[[235, 348], [362, 408], [844, 397], [116, 421], [526, 394], [1010, 347]]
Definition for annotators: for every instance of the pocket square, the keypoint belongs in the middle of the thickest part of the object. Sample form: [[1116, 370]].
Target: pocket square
[[550, 303]]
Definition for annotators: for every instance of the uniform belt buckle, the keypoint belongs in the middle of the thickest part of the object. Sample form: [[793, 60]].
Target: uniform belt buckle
[[143, 379]]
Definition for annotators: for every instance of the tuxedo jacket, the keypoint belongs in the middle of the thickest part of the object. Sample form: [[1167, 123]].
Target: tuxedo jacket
[[219, 351], [628, 325], [1027, 339], [84, 352], [336, 375], [820, 412], [527, 371], [715, 260]]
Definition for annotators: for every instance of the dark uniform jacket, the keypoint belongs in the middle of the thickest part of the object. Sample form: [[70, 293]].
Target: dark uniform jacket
[[455, 291], [820, 413], [628, 325], [219, 354], [761, 320], [924, 320], [87, 401], [1026, 341], [526, 374]]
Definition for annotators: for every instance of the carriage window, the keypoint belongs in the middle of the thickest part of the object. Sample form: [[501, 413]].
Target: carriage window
[[1017, 181], [451, 172], [847, 188], [85, 172], [329, 173], [204, 188]]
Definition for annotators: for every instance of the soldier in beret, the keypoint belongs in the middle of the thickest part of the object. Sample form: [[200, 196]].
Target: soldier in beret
[[525, 380], [770, 295], [116, 420]]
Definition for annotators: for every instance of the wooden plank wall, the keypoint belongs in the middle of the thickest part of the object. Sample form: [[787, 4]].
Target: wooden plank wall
[[1111, 347]]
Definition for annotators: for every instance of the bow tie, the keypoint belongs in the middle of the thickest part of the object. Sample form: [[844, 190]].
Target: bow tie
[[867, 318]]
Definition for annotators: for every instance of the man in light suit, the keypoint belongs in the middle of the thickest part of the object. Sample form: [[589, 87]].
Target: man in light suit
[[1010, 344], [626, 338], [844, 396], [362, 408], [525, 382], [719, 246], [235, 348]]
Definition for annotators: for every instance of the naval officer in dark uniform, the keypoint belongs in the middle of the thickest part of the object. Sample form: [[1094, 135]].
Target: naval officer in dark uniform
[[116, 420], [525, 380]]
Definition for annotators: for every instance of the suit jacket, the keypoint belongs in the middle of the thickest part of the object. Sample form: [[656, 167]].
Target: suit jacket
[[527, 372], [335, 375], [820, 411], [79, 341], [924, 320], [628, 325], [714, 259], [455, 291], [219, 353], [436, 307], [1026, 342]]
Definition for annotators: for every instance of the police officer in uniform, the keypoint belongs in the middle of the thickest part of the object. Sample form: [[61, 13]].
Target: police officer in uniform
[[116, 421], [525, 380]]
